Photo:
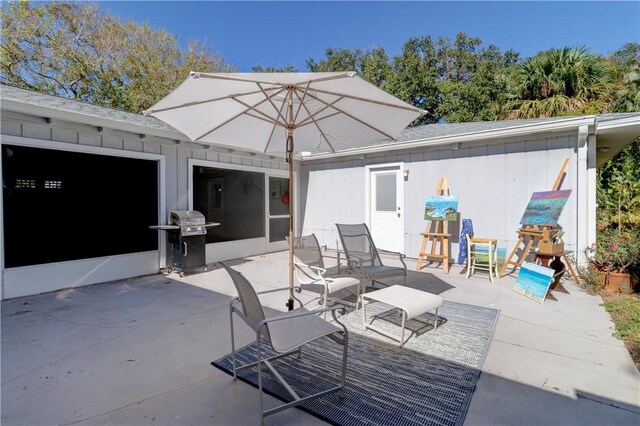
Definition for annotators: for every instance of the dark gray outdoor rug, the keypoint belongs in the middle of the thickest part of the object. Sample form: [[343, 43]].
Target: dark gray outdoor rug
[[429, 381]]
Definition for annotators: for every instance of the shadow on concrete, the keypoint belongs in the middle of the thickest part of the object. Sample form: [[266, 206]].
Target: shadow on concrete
[[514, 403], [167, 272], [424, 281], [138, 352], [413, 327]]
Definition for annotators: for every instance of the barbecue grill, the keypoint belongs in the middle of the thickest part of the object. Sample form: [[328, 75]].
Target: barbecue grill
[[186, 234]]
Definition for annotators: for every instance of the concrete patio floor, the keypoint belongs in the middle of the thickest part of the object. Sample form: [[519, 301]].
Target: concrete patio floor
[[138, 352]]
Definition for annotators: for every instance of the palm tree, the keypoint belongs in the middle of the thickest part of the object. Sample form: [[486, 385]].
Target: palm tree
[[558, 82], [628, 93]]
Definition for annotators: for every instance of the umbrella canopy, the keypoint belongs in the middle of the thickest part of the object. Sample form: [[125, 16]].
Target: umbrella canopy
[[331, 111], [325, 112]]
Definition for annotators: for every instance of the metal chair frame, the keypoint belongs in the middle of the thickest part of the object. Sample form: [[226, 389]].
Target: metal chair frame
[[261, 328], [365, 265], [313, 271]]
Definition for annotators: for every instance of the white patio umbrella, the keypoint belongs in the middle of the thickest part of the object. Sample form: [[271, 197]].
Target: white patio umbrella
[[327, 112]]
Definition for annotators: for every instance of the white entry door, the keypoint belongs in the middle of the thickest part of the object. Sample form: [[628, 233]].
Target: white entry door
[[386, 215]]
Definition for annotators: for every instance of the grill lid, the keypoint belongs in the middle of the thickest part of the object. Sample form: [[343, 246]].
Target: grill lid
[[187, 218], [186, 223]]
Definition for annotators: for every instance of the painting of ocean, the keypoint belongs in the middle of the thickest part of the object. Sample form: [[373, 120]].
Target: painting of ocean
[[533, 281], [441, 207], [544, 208]]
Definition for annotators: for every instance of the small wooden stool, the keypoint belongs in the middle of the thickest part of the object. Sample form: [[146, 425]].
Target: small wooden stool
[[491, 246]]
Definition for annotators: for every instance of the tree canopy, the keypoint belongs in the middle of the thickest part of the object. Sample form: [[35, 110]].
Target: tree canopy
[[76, 51], [556, 82], [453, 81], [626, 78]]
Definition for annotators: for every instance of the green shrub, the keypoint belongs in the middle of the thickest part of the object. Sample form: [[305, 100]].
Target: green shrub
[[615, 251]]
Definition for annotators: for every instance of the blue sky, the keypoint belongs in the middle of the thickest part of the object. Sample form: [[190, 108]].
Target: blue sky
[[283, 33]]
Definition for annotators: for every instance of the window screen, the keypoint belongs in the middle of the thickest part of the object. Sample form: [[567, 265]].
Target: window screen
[[233, 198], [61, 206]]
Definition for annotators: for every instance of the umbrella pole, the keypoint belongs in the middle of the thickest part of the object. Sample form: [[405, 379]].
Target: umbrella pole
[[291, 210], [291, 197]]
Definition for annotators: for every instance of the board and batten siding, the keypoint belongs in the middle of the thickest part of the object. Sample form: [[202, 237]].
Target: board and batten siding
[[494, 182], [35, 131]]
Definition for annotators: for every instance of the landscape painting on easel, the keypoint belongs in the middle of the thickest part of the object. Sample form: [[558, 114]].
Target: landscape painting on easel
[[544, 208], [534, 281], [441, 207]]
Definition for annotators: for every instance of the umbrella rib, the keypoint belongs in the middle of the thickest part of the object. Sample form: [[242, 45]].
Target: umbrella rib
[[253, 108], [188, 104], [307, 122], [230, 119], [357, 98], [271, 101], [355, 118], [319, 80], [263, 119], [308, 119], [303, 105], [301, 100], [245, 80], [274, 128]]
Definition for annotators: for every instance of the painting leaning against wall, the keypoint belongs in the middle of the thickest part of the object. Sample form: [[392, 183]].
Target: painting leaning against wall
[[534, 281]]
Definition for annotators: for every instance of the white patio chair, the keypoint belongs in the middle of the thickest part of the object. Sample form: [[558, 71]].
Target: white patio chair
[[364, 258], [285, 333], [310, 269]]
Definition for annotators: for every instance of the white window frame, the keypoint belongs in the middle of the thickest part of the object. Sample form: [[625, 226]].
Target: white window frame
[[87, 149], [230, 249]]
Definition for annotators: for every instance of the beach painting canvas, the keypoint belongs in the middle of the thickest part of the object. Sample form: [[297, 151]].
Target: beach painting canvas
[[533, 281], [544, 208], [441, 207]]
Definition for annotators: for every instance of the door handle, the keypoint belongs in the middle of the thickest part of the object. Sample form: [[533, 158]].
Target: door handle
[[398, 214], [186, 249]]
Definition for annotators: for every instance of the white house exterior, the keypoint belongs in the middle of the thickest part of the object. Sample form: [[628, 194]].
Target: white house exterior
[[493, 167], [35, 120]]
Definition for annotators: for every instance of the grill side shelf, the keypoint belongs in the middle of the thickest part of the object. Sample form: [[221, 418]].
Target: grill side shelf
[[164, 227]]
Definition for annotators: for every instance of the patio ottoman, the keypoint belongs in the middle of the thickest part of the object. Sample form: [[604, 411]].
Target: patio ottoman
[[411, 302]]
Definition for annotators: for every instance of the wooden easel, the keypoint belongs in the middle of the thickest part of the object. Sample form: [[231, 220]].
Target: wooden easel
[[436, 234], [533, 232]]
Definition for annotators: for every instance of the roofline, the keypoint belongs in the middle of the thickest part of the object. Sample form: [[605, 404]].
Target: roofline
[[78, 117], [506, 132], [618, 122], [522, 130]]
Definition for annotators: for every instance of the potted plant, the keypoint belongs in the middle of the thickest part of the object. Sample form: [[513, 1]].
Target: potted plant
[[614, 255]]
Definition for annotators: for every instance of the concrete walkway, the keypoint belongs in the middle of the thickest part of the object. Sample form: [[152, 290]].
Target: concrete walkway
[[138, 352]]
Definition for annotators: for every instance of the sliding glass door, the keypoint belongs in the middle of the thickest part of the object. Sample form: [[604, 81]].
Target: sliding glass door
[[250, 204], [232, 198]]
